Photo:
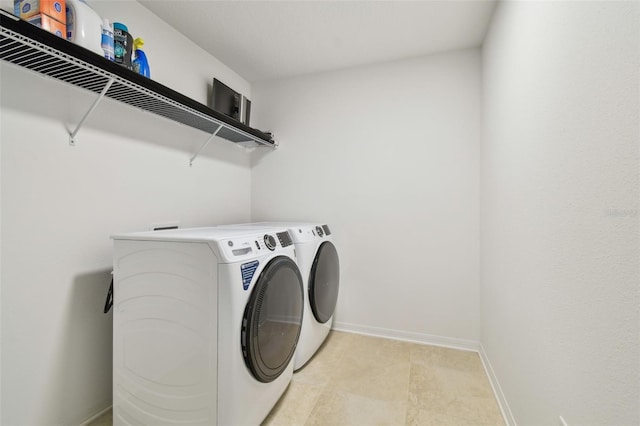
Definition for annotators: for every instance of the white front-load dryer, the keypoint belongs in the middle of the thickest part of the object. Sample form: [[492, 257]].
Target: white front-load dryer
[[319, 265], [206, 323]]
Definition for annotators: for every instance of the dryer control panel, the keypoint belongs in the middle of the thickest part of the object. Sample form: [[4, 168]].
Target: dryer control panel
[[304, 233], [254, 245]]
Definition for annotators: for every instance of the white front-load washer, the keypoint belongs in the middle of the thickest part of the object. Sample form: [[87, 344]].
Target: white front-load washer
[[319, 265], [206, 323]]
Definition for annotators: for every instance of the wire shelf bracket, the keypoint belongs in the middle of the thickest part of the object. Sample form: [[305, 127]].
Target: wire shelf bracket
[[191, 160], [72, 135]]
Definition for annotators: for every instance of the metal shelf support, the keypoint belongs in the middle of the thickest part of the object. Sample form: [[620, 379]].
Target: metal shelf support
[[73, 134], [203, 146]]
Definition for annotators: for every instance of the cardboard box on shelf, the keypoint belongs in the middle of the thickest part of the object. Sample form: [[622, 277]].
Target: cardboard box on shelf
[[48, 23], [29, 9]]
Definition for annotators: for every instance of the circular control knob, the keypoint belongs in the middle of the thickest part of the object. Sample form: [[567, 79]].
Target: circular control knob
[[270, 242], [319, 231]]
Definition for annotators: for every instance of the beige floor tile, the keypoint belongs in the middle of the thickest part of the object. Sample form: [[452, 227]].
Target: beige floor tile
[[436, 356], [464, 411], [320, 369], [463, 396], [295, 406], [386, 380], [334, 345], [448, 383], [377, 349], [317, 372], [420, 417], [337, 408], [361, 380], [434, 418]]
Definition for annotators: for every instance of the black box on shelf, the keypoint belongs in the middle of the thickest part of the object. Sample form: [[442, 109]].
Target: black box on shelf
[[230, 103], [226, 100]]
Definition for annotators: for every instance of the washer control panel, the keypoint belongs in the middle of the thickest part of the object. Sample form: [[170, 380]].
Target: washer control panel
[[284, 238]]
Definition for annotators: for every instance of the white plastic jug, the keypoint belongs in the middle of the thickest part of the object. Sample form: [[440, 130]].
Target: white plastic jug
[[84, 26]]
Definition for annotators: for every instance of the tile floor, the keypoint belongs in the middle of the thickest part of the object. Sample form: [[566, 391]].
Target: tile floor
[[361, 380]]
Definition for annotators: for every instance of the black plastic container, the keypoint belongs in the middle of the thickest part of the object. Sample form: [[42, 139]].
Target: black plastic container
[[122, 45]]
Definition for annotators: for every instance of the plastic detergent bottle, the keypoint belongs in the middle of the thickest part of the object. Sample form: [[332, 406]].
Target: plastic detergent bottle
[[122, 45], [107, 39], [84, 25], [140, 63]]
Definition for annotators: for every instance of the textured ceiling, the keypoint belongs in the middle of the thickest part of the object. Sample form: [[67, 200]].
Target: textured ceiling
[[264, 40]]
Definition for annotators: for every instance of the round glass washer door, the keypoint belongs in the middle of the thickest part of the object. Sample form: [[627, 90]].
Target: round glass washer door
[[272, 319], [324, 282]]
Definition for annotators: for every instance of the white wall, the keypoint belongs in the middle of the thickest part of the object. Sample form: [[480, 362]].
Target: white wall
[[387, 155], [560, 226], [61, 203]]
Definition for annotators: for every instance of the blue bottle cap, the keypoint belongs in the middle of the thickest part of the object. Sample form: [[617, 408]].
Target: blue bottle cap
[[120, 26]]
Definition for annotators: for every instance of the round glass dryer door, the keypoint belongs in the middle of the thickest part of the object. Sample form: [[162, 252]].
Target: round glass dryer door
[[324, 281], [272, 319]]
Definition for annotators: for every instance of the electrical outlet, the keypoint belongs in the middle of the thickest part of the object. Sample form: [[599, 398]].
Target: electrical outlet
[[562, 422]]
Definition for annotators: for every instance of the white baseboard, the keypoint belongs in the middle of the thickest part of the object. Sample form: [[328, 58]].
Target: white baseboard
[[408, 336], [497, 390], [92, 418]]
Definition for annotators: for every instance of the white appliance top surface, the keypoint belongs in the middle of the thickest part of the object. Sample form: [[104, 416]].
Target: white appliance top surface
[[287, 224], [300, 232], [207, 234], [263, 225]]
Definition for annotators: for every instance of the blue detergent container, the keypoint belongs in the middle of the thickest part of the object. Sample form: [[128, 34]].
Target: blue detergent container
[[140, 63]]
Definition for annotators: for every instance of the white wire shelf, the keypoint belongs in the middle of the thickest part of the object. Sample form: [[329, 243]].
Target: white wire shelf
[[30, 47]]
